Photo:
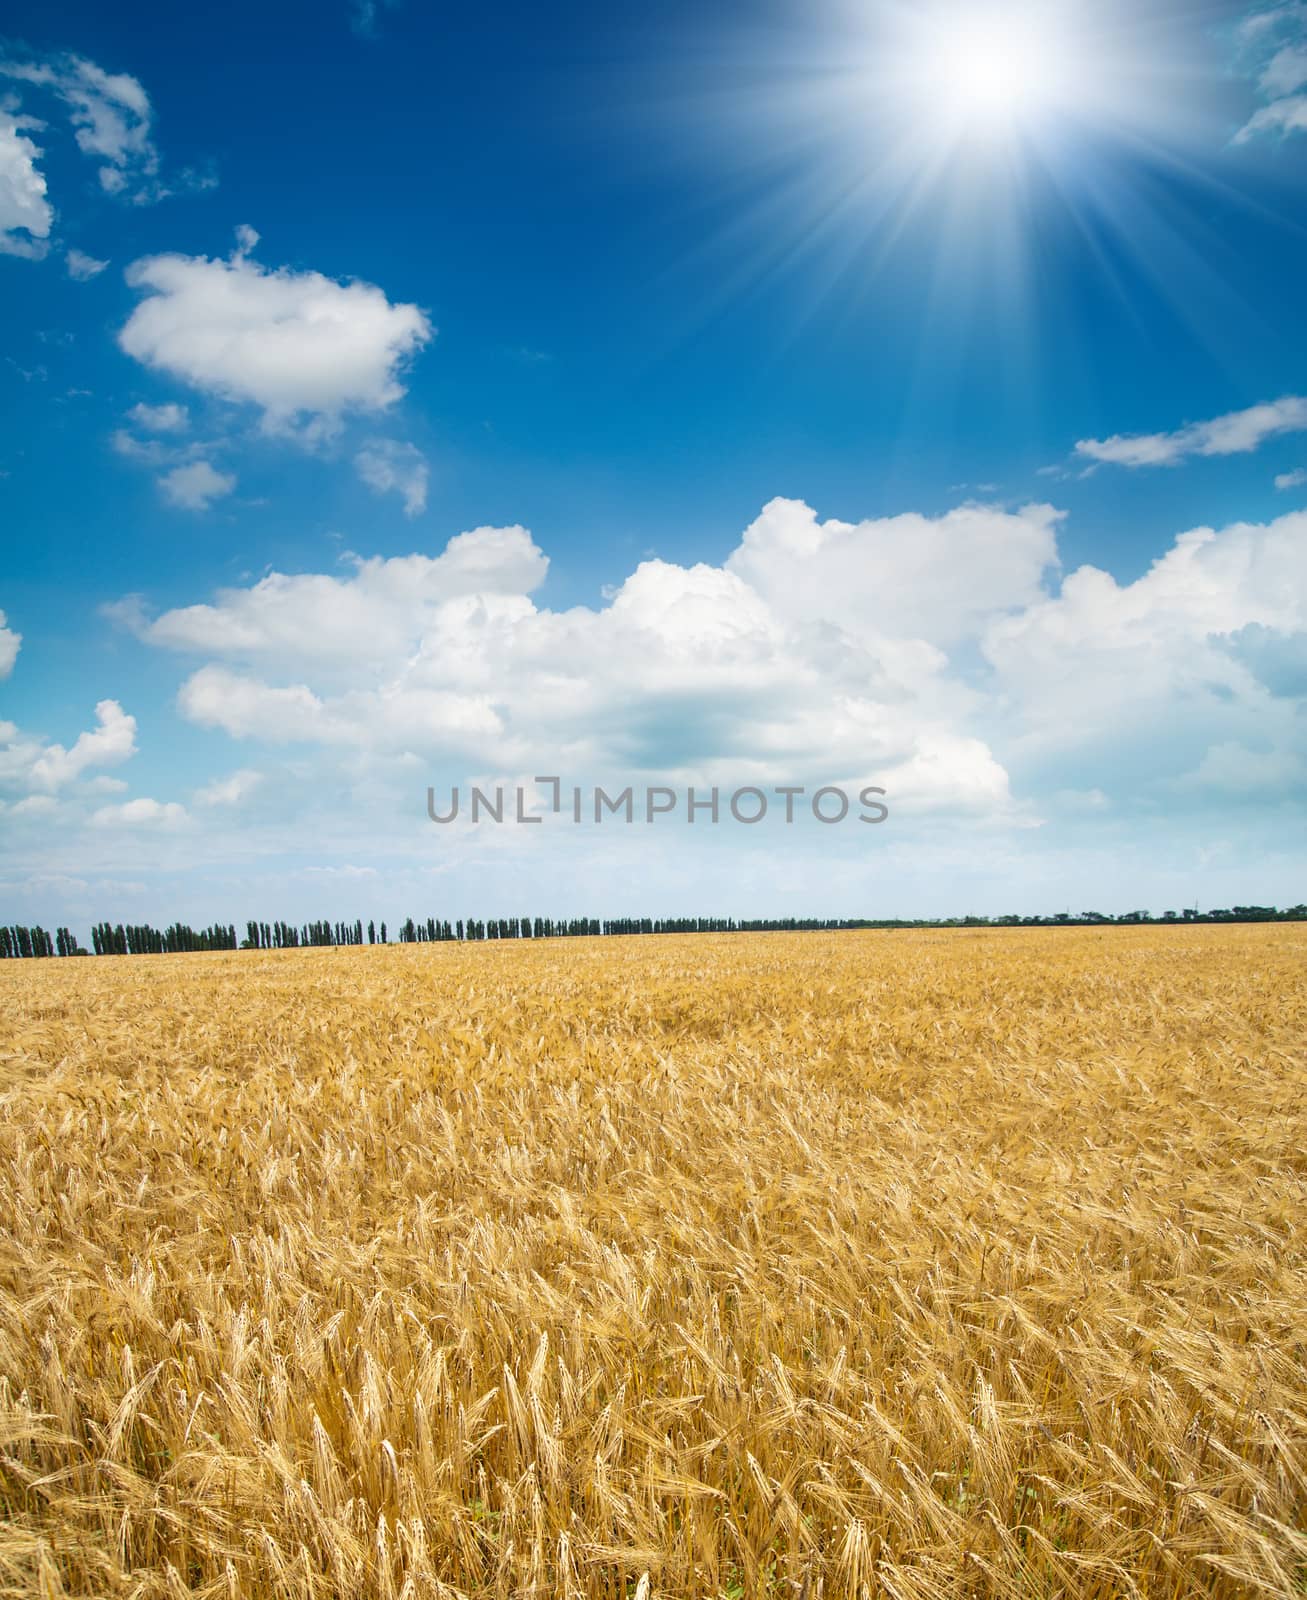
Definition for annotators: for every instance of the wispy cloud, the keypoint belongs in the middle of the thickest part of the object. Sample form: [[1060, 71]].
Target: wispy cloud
[[389, 467], [364, 14], [81, 267], [232, 790], [1236, 433], [111, 116], [1275, 54]]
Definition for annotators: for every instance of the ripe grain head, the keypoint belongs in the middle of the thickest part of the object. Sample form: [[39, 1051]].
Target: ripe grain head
[[911, 1264]]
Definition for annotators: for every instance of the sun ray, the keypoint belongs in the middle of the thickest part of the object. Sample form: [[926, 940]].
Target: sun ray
[[950, 151]]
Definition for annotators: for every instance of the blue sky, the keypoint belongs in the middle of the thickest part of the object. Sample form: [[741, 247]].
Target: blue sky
[[814, 394]]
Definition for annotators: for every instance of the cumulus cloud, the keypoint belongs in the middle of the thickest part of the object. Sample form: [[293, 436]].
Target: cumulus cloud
[[111, 742], [82, 267], [816, 646], [9, 643], [908, 576], [380, 612], [1100, 634], [1276, 657], [244, 707], [195, 486], [248, 708], [1292, 480], [111, 117], [142, 813], [1143, 678], [298, 345], [941, 657], [25, 213], [1237, 433], [944, 768], [389, 467]]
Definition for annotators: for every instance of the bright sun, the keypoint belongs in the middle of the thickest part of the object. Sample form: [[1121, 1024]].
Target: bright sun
[[991, 76], [986, 141], [994, 72]]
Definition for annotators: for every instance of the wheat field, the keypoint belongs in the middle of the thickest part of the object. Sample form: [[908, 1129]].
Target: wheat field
[[858, 1264]]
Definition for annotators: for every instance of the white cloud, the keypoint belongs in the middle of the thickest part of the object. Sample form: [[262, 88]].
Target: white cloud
[[149, 452], [245, 707], [909, 576], [688, 669], [35, 805], [1286, 70], [81, 267], [1292, 480], [1207, 583], [1275, 44], [111, 112], [195, 486], [233, 790], [141, 813], [944, 768], [25, 213], [381, 612], [160, 419], [940, 657], [1285, 116], [1257, 26], [32, 764], [111, 742], [389, 467], [295, 344], [1237, 433], [248, 708], [1131, 684], [9, 643], [111, 117]]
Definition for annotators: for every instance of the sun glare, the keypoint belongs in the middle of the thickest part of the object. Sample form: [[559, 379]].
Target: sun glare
[[983, 138], [990, 75], [994, 72]]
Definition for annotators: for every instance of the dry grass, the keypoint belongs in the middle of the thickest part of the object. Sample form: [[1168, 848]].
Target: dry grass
[[852, 1264]]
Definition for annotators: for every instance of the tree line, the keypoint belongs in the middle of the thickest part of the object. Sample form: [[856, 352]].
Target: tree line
[[140, 939], [134, 939], [17, 942], [286, 936]]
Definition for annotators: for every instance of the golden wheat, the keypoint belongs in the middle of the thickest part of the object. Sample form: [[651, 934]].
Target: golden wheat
[[906, 1265]]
